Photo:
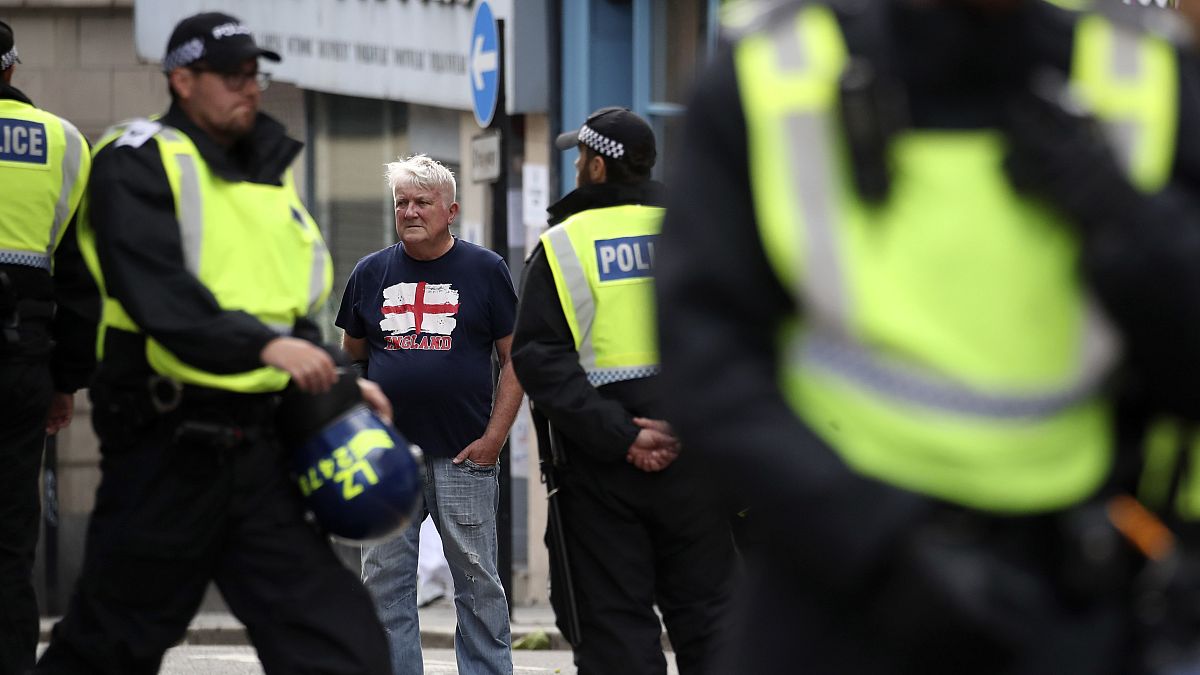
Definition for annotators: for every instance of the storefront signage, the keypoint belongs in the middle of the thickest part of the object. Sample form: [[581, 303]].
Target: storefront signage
[[410, 50]]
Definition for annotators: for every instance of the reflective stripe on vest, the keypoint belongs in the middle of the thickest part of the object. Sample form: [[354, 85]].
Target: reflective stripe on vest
[[610, 315], [253, 246], [43, 168], [973, 404], [191, 227], [1131, 83]]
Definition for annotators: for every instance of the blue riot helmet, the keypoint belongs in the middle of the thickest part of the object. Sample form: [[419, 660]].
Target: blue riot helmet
[[360, 478]]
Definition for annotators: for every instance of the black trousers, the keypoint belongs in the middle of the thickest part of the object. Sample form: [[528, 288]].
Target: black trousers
[[635, 540], [25, 392], [177, 508]]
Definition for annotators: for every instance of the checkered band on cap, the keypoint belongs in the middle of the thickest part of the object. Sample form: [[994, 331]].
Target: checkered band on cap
[[188, 52], [8, 59], [601, 143]]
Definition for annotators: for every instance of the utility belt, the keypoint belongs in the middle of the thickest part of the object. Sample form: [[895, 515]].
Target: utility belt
[[18, 315], [222, 419]]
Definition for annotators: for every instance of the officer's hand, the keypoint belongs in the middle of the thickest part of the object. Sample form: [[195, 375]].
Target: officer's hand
[[655, 447], [651, 460], [62, 407], [375, 398], [311, 368], [482, 451]]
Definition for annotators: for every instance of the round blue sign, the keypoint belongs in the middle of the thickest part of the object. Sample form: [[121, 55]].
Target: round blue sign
[[484, 64]]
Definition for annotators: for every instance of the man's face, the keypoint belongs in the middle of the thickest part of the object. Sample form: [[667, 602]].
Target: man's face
[[582, 176], [422, 216], [225, 105]]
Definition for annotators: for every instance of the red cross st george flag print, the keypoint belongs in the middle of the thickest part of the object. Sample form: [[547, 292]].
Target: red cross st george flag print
[[419, 316]]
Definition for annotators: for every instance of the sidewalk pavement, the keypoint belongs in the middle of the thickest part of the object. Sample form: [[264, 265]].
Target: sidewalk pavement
[[437, 627]]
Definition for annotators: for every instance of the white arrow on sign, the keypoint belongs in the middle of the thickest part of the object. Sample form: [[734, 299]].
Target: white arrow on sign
[[481, 62]]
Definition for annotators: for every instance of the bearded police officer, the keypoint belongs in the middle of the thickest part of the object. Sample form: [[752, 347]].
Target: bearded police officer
[[637, 528], [48, 310], [210, 264], [919, 242]]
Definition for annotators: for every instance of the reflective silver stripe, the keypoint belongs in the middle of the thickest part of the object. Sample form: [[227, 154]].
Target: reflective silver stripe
[[1126, 56], [316, 280], [602, 376], [70, 175], [822, 285], [850, 361], [169, 134], [790, 48], [1125, 63], [191, 212], [25, 259], [279, 328], [581, 294]]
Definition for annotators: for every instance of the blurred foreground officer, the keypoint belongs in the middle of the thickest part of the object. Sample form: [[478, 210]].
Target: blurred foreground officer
[[206, 256], [44, 355], [637, 525], [893, 301]]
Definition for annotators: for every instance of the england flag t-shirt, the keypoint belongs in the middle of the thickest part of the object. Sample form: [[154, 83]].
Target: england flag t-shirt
[[430, 326]]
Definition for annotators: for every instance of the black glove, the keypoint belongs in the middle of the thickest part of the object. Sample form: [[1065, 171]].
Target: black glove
[[1059, 153], [300, 414]]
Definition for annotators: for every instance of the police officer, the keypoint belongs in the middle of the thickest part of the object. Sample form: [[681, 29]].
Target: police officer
[[928, 255], [44, 355], [209, 263], [638, 529]]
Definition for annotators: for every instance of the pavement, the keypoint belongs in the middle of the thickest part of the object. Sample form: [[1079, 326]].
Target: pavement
[[437, 627]]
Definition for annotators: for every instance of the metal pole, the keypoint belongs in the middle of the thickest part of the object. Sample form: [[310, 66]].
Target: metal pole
[[502, 124]]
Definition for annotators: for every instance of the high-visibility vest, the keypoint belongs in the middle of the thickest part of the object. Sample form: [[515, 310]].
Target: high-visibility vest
[[947, 344], [254, 246], [44, 167], [603, 266]]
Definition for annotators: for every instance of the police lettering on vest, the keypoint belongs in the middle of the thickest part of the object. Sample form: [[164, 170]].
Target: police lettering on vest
[[626, 257], [22, 141]]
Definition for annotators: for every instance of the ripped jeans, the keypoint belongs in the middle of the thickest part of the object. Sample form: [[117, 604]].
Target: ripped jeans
[[462, 500]]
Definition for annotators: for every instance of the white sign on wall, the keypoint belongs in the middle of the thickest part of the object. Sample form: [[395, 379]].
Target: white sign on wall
[[485, 157], [535, 190], [397, 50]]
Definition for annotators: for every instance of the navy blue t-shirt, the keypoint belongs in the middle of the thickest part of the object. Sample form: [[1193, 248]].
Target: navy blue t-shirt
[[430, 327]]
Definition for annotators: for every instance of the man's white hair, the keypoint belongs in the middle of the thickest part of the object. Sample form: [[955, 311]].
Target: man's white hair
[[422, 172]]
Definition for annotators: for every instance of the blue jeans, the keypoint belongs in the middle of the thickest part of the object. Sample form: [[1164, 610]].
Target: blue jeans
[[462, 500]]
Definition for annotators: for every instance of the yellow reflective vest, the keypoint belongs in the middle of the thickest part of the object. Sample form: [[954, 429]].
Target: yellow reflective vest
[[602, 261], [947, 344], [44, 167], [254, 246]]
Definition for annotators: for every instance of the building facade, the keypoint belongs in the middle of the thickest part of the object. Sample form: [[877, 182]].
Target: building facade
[[362, 83]]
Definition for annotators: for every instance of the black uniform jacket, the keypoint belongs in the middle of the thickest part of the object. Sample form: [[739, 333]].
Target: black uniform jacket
[[138, 242], [597, 422], [70, 337], [720, 303]]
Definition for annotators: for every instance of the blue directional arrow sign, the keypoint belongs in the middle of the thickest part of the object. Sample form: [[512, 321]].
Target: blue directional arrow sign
[[484, 64]]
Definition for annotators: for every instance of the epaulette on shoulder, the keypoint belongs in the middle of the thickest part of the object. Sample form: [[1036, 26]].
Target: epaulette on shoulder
[[137, 132]]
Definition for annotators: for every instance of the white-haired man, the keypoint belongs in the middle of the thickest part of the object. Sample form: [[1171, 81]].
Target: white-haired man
[[425, 315]]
